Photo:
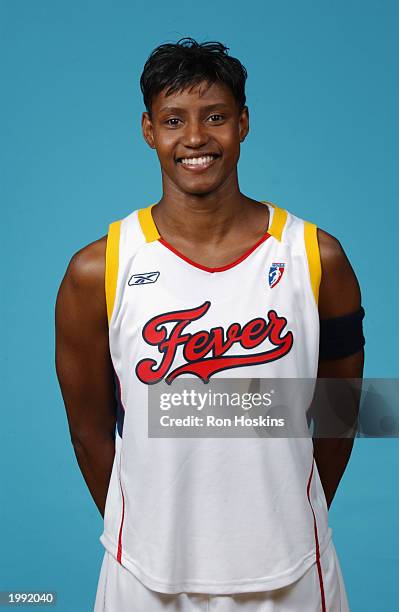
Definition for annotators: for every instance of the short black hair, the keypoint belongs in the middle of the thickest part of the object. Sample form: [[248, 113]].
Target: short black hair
[[178, 66]]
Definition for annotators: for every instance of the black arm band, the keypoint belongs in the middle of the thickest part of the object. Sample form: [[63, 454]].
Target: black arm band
[[341, 336]]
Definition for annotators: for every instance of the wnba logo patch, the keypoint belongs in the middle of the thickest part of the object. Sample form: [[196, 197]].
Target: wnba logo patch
[[276, 272]]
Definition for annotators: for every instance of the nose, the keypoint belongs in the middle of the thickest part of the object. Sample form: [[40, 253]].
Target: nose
[[195, 135]]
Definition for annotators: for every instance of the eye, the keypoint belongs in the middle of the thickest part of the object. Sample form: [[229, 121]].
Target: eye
[[173, 121], [216, 117]]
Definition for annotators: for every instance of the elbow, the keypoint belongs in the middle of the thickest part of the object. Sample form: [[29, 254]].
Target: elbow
[[82, 440]]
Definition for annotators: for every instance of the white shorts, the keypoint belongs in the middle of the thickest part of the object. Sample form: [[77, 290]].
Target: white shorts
[[120, 591]]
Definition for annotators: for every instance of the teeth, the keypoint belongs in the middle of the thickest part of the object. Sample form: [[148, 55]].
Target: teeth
[[197, 161]]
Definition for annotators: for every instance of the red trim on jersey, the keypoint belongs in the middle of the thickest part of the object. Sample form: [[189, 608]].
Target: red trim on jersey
[[119, 551], [119, 555], [319, 570], [221, 268]]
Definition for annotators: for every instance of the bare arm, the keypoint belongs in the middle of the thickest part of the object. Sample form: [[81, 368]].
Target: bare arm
[[84, 367], [339, 295]]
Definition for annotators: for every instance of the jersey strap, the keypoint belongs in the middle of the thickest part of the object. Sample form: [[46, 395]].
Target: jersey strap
[[278, 222], [147, 224], [112, 265], [313, 255]]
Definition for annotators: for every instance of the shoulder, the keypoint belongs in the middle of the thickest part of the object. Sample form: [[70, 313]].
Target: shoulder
[[339, 288], [86, 268], [80, 308], [331, 250], [81, 295]]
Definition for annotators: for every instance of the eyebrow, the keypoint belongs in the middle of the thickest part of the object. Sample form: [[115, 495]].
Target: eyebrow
[[179, 109]]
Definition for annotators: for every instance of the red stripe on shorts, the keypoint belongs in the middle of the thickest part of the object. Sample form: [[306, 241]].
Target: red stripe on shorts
[[319, 571]]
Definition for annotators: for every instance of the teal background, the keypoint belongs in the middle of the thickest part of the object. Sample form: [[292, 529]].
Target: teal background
[[323, 99]]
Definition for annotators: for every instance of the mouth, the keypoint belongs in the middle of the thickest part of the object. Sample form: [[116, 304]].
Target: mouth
[[198, 163]]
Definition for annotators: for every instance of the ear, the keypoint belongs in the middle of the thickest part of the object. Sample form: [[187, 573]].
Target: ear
[[243, 123], [148, 131]]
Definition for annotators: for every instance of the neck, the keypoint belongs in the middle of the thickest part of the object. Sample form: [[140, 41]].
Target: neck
[[200, 218]]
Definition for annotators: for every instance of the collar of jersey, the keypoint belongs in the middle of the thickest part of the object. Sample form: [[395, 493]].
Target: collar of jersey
[[151, 234]]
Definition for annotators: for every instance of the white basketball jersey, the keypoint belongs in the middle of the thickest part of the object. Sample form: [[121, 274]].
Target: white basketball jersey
[[212, 515]]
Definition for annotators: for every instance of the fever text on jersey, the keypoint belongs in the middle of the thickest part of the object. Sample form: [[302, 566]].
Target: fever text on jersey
[[205, 351]]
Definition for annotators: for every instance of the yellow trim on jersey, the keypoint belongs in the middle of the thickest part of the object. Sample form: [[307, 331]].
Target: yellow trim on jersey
[[278, 222], [151, 233], [313, 254], [147, 224], [112, 265]]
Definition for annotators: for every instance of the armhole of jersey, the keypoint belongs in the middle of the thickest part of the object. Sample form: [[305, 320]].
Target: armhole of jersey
[[112, 265], [313, 257], [278, 222]]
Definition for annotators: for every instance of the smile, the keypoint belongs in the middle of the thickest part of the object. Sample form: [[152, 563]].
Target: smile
[[197, 163]]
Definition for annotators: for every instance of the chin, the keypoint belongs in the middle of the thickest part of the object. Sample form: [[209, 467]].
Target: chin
[[199, 192], [200, 189], [203, 192]]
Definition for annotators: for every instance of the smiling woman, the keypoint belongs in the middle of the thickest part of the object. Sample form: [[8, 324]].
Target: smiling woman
[[197, 133], [196, 116], [207, 282]]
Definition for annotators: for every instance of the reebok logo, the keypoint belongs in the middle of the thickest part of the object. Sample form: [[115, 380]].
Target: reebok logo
[[143, 279]]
